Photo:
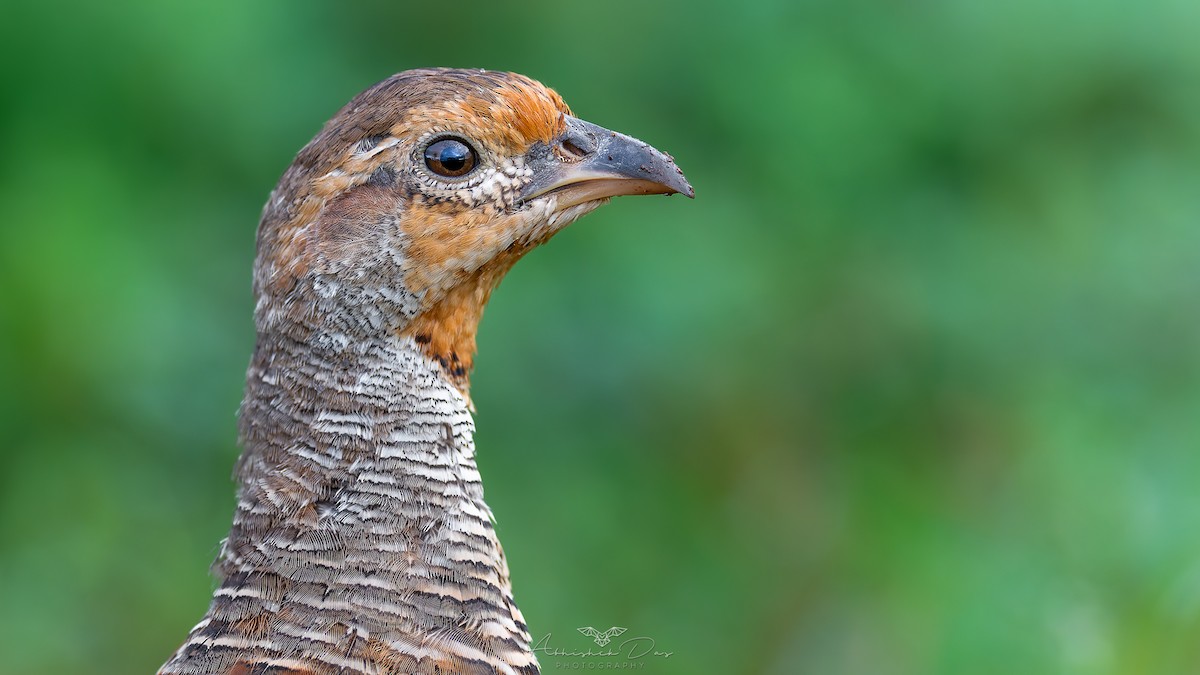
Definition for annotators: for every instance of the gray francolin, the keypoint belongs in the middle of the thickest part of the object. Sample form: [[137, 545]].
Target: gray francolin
[[361, 543]]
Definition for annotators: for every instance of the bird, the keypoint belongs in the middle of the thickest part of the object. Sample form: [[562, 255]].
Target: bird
[[361, 543]]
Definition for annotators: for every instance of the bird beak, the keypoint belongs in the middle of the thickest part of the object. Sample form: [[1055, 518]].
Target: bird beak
[[588, 162]]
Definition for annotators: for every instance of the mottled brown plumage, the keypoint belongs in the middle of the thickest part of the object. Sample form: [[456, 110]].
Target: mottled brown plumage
[[361, 542]]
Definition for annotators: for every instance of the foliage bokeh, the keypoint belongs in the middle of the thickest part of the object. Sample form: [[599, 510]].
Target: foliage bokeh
[[911, 386]]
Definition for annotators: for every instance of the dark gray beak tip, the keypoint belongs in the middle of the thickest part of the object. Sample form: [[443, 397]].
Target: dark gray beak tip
[[661, 168], [687, 191]]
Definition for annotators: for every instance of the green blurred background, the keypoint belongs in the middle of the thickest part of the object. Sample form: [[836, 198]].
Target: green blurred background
[[913, 386]]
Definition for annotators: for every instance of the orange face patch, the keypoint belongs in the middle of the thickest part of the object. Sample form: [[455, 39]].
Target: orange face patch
[[521, 113], [509, 114]]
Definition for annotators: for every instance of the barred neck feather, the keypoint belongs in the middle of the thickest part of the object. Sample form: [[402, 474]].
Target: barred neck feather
[[361, 542]]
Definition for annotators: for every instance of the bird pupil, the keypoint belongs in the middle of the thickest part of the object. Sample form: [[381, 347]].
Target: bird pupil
[[453, 157], [449, 157]]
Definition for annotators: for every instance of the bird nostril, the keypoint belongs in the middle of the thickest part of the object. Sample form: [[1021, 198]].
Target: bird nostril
[[576, 148]]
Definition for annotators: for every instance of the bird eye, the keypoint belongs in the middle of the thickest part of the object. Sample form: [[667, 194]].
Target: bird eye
[[450, 157]]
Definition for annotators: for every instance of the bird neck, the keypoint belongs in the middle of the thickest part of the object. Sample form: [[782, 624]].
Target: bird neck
[[361, 520]]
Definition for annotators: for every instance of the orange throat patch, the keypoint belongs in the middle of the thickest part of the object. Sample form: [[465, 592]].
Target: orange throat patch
[[445, 332]]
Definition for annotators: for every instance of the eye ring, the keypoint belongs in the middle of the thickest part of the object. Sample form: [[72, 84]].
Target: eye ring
[[450, 157]]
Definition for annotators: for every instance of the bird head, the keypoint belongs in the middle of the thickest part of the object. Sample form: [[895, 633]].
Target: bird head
[[405, 211]]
